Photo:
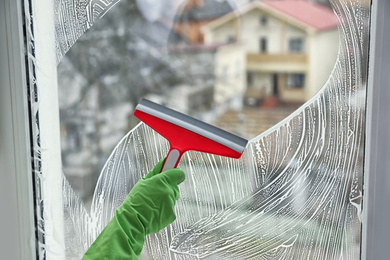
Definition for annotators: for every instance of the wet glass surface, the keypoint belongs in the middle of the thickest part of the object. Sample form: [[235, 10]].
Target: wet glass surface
[[296, 191]]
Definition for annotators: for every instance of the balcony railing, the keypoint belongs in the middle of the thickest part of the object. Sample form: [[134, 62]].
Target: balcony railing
[[273, 58]]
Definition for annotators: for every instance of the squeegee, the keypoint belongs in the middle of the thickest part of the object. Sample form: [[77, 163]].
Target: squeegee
[[185, 133]]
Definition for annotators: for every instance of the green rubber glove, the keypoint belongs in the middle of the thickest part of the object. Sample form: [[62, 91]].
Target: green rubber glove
[[148, 208]]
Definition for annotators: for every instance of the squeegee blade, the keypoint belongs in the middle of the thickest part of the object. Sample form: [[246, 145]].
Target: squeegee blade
[[218, 135]]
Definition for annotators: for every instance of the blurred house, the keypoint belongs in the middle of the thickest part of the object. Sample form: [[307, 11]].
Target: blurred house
[[290, 46]]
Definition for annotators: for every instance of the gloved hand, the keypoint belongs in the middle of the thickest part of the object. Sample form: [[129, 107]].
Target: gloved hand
[[148, 208]]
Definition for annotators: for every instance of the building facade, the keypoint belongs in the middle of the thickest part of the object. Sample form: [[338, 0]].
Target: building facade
[[290, 47]]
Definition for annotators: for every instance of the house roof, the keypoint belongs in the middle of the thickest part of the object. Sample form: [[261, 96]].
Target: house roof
[[312, 14], [301, 13]]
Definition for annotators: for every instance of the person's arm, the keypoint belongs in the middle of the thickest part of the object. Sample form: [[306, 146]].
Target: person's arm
[[148, 208]]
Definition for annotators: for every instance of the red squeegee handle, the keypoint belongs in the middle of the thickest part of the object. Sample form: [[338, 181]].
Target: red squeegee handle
[[172, 159]]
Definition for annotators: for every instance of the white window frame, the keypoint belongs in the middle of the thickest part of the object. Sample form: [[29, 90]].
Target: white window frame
[[376, 189], [17, 225], [19, 236], [16, 192]]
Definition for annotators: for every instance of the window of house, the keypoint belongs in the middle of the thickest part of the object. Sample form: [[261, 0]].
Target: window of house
[[230, 39], [263, 44], [297, 190], [263, 20], [249, 78], [296, 45], [296, 80]]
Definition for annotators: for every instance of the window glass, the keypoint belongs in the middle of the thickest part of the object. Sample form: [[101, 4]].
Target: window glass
[[263, 20], [230, 38], [263, 44], [296, 80], [295, 193], [295, 45]]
